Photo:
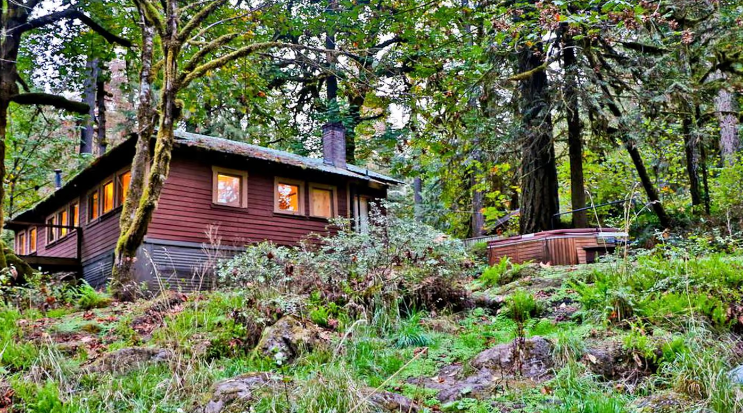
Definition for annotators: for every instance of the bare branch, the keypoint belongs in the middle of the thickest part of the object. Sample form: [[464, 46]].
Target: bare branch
[[50, 100], [73, 13]]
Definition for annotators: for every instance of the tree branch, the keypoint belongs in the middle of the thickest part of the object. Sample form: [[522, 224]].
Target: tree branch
[[215, 44], [187, 77], [50, 100], [199, 17], [72, 13]]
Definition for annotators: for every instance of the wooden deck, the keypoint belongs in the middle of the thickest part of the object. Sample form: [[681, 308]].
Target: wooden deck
[[53, 264]]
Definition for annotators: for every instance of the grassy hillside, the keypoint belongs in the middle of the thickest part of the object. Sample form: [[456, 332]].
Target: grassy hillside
[[408, 325]]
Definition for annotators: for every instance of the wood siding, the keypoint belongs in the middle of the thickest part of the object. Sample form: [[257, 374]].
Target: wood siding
[[186, 211], [558, 247]]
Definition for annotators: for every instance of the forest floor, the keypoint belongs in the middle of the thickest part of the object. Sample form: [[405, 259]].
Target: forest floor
[[654, 335]]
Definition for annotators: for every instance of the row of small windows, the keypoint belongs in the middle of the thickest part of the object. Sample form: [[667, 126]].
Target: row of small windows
[[26, 245], [230, 189], [101, 200]]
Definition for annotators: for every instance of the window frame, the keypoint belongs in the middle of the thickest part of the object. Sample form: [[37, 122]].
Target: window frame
[[71, 215], [89, 208], [243, 175], [32, 247], [119, 191], [51, 233], [333, 199], [300, 192], [102, 198], [21, 243]]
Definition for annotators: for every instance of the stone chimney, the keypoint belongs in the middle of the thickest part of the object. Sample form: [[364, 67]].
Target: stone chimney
[[334, 144]]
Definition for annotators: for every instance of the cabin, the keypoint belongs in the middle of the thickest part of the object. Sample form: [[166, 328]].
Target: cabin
[[220, 196], [557, 247]]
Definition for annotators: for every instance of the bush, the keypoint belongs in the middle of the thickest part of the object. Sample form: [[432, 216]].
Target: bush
[[89, 298], [397, 262]]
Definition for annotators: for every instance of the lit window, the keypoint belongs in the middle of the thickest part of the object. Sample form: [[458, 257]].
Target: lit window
[[228, 189], [75, 214], [322, 201], [93, 205], [32, 240], [22, 243], [51, 232], [124, 180], [108, 197], [288, 197], [62, 220]]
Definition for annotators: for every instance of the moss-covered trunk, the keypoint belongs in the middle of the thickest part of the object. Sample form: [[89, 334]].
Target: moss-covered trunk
[[144, 194]]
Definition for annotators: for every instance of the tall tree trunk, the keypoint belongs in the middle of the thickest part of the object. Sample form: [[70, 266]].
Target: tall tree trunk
[[634, 153], [478, 219], [143, 194], [575, 142], [100, 101], [727, 115], [355, 102], [539, 186], [4, 104], [418, 198], [692, 160], [87, 131]]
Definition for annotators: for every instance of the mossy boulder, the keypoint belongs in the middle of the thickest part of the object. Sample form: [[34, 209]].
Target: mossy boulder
[[128, 359], [288, 338], [239, 393], [532, 358]]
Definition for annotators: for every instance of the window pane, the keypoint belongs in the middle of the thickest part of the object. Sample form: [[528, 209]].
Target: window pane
[[228, 190], [32, 240], [108, 197], [288, 196], [22, 244], [124, 181], [50, 231], [93, 206], [321, 202], [75, 211], [63, 221]]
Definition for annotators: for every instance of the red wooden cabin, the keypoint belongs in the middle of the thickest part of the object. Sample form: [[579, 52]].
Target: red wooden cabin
[[243, 193]]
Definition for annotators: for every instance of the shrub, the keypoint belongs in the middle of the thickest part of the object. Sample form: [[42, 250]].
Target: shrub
[[522, 306], [89, 298], [397, 262]]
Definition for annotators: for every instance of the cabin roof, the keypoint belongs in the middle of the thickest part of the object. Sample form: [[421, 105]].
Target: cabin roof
[[215, 144], [184, 139]]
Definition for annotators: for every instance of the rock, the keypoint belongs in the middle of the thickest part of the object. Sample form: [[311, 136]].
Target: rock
[[288, 338], [239, 393], [535, 358], [736, 375], [128, 359], [391, 402], [669, 402]]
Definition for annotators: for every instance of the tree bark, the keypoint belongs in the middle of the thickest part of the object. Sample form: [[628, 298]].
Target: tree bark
[[123, 280], [727, 116], [100, 101], [89, 97], [539, 186], [418, 198], [575, 141], [692, 161]]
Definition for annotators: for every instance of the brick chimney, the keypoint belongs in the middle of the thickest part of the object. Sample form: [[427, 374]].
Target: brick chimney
[[334, 144]]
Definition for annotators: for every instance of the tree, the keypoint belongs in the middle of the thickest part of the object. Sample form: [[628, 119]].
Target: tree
[[18, 19], [189, 50]]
